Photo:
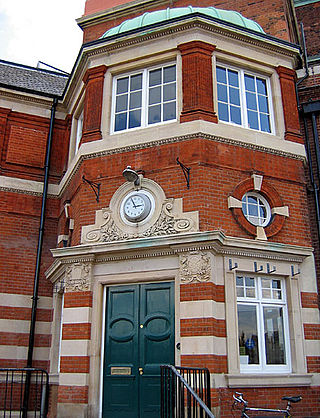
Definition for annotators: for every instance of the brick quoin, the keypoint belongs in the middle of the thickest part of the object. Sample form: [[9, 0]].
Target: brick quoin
[[78, 299], [202, 326], [214, 363], [309, 300], [76, 331], [74, 364], [311, 331], [72, 394], [201, 291]]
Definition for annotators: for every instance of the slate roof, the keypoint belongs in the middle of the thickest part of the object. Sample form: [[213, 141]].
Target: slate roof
[[31, 79]]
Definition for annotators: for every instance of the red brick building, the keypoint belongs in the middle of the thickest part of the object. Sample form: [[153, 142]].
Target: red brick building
[[200, 254]]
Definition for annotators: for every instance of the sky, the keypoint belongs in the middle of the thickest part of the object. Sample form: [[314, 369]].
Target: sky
[[41, 30]]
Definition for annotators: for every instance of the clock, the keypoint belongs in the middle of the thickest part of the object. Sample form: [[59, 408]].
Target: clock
[[136, 206]]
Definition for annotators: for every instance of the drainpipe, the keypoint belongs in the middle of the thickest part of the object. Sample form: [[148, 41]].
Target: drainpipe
[[38, 260]]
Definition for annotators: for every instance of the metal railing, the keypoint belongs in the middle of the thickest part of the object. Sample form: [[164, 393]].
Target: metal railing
[[15, 401], [185, 392]]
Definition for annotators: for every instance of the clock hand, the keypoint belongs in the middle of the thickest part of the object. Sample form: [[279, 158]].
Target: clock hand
[[133, 203]]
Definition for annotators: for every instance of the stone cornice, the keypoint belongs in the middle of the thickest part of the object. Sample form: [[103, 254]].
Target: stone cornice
[[214, 241]]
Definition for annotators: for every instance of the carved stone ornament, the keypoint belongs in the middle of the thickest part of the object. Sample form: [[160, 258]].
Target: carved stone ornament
[[195, 267], [171, 220], [78, 277]]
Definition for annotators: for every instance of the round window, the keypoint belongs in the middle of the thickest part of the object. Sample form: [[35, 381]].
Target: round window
[[256, 209]]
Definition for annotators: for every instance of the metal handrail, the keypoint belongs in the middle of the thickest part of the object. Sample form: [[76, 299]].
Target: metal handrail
[[174, 388], [12, 395]]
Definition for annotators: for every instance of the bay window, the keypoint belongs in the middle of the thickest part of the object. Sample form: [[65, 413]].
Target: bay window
[[262, 324], [244, 99], [144, 98]]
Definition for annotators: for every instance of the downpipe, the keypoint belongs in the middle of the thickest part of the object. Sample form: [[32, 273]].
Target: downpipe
[[35, 297]]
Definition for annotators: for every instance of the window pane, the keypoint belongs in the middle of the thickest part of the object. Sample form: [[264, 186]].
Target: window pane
[[235, 115], [248, 334], [222, 93], [253, 210], [169, 92], [120, 122], [251, 101], [155, 77], [155, 95], [234, 96], [122, 103], [221, 75], [274, 335], [134, 118], [135, 100], [136, 82], [154, 114], [223, 112], [169, 111], [249, 83], [122, 85], [253, 120], [263, 104], [265, 123], [261, 86], [233, 78], [169, 74]]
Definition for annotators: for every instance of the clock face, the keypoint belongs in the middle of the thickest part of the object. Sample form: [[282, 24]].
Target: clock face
[[136, 207]]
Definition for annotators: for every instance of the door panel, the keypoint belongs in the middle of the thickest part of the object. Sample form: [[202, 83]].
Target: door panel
[[139, 335]]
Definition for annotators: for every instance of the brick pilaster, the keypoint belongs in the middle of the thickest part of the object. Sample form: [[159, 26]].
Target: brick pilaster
[[290, 109], [93, 80], [197, 84]]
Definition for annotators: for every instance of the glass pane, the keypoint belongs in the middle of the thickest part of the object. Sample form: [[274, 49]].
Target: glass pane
[[135, 100], [155, 95], [266, 293], [251, 101], [169, 111], [223, 112], [120, 122], [234, 96], [253, 210], [222, 93], [253, 120], [265, 283], [252, 199], [274, 335], [122, 103], [240, 292], [235, 115], [169, 74], [250, 282], [136, 82], [169, 92], [261, 86], [265, 123], [262, 211], [263, 104], [276, 294], [276, 284], [239, 281], [249, 83], [122, 85], [155, 77], [154, 114], [221, 75], [248, 334], [135, 118], [233, 78]]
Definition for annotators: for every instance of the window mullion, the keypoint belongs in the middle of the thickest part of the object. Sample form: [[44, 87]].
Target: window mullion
[[145, 98], [243, 100]]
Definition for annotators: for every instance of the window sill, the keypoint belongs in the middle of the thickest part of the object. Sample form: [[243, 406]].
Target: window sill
[[242, 380]]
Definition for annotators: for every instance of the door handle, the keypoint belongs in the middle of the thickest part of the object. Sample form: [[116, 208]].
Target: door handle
[[140, 370]]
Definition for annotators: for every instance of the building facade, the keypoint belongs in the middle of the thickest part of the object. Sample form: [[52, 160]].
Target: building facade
[[177, 225]]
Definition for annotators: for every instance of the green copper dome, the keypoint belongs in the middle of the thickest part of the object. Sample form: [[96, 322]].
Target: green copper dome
[[159, 16]]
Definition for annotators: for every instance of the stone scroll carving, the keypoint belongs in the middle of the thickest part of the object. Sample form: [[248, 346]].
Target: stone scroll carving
[[78, 277], [195, 266], [171, 220]]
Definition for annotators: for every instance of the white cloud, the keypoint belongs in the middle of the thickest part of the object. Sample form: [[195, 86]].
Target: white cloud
[[40, 30]]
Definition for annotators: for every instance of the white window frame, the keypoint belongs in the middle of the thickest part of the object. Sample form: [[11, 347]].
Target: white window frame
[[243, 102], [79, 121], [266, 205], [259, 302], [144, 105]]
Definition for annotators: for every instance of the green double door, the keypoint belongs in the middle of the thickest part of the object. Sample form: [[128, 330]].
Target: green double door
[[139, 338]]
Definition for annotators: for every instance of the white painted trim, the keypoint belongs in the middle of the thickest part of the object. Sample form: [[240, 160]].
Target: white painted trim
[[103, 328]]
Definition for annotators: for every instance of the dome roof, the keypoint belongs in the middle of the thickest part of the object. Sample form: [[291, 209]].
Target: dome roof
[[159, 16]]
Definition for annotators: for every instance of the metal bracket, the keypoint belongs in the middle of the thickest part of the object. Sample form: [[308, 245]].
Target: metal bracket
[[94, 186], [256, 270], [270, 271], [293, 273], [231, 267], [186, 172]]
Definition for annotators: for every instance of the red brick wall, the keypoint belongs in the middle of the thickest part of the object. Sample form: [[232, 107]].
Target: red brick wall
[[309, 15]]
